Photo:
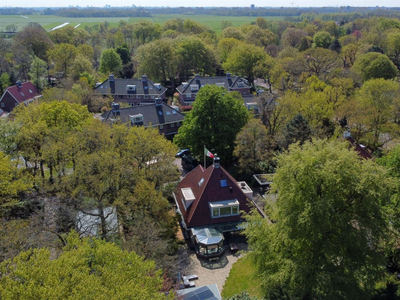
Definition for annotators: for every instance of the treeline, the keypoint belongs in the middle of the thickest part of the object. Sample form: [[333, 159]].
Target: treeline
[[18, 11], [98, 12]]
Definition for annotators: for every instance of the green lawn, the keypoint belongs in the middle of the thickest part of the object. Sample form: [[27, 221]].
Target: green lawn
[[242, 277], [49, 22]]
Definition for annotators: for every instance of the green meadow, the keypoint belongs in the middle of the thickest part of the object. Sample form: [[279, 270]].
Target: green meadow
[[49, 22]]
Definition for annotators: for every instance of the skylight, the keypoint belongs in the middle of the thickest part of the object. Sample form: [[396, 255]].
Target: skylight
[[160, 112], [168, 113], [174, 112], [201, 181], [223, 183]]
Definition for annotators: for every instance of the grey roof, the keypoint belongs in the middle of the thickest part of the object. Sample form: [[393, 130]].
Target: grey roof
[[229, 82], [141, 88], [152, 114], [206, 292]]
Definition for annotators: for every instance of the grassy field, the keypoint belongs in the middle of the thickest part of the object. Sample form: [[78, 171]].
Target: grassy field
[[49, 22], [242, 277]]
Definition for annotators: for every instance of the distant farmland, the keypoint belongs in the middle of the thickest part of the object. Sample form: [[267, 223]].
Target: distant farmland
[[49, 22]]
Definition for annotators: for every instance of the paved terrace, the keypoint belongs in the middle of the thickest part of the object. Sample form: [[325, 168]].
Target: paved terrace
[[210, 272]]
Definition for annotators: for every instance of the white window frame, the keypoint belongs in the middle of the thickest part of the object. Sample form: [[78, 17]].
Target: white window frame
[[215, 208]]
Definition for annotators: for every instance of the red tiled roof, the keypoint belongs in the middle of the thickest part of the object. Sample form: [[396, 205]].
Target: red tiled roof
[[27, 91], [198, 213]]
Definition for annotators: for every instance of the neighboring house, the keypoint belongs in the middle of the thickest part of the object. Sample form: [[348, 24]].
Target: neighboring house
[[188, 90], [360, 149], [210, 202], [158, 114], [21, 93], [206, 292], [131, 91]]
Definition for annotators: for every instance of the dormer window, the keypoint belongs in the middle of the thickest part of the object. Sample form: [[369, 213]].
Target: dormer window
[[136, 118], [194, 87], [240, 84], [225, 208], [130, 88]]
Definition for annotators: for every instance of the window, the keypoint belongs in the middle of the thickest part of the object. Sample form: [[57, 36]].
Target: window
[[130, 96], [145, 96], [188, 95], [138, 97], [223, 183], [224, 208], [152, 97], [161, 127], [172, 125]]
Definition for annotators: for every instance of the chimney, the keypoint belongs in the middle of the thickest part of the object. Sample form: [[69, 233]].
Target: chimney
[[228, 75], [144, 78], [19, 84], [158, 101], [346, 134], [216, 162], [111, 82], [197, 76], [115, 109]]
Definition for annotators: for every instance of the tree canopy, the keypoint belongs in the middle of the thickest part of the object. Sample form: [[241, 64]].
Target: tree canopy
[[215, 120], [85, 269], [329, 220]]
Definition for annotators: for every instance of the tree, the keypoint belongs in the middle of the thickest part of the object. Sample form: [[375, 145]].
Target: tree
[[375, 65], [63, 56], [329, 224], [253, 146], [194, 57], [377, 99], [244, 59], [297, 130], [215, 120], [321, 62], [87, 268], [12, 183], [35, 39], [158, 60], [110, 62], [4, 82], [38, 72], [146, 31], [322, 39], [81, 65], [394, 47]]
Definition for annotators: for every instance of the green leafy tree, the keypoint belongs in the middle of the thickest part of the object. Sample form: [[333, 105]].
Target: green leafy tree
[[330, 222], [85, 269], [195, 57], [215, 120], [158, 59], [146, 31], [38, 72], [63, 56], [110, 61], [394, 47], [253, 146], [244, 59], [12, 183], [375, 65], [297, 130], [377, 100], [8, 136], [4, 82], [322, 39]]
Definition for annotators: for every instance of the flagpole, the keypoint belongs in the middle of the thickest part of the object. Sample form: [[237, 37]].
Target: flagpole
[[204, 153]]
